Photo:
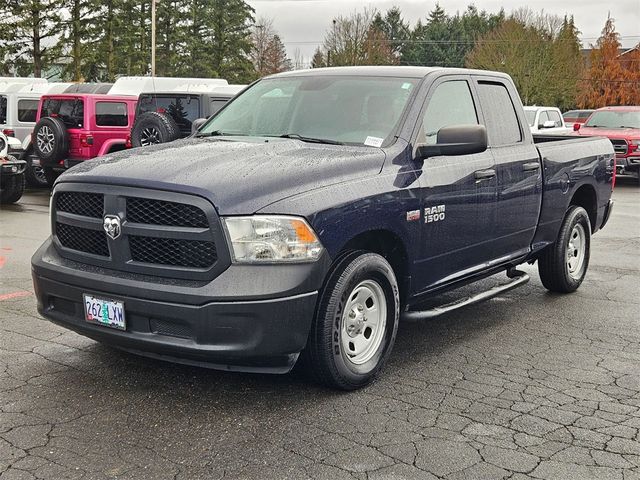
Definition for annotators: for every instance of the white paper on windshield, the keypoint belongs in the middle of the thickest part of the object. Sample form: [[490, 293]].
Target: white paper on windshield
[[374, 141]]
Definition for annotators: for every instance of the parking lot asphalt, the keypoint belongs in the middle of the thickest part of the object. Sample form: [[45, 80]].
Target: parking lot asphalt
[[529, 384]]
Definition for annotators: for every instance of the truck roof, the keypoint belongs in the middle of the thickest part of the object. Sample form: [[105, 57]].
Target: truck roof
[[386, 71]]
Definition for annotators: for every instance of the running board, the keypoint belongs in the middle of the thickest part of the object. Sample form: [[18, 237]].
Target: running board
[[518, 278]]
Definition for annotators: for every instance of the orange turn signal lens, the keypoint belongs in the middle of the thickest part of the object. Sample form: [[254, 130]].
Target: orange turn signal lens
[[303, 232]]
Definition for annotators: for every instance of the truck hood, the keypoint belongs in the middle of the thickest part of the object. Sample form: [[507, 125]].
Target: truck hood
[[622, 133], [239, 176]]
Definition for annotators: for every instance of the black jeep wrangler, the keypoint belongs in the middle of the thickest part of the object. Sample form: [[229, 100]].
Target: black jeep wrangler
[[167, 116]]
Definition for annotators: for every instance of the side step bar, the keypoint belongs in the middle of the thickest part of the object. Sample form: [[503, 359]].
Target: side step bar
[[518, 278]]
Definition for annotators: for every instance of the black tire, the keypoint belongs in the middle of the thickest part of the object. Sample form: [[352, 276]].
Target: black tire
[[51, 175], [324, 357], [152, 128], [50, 141], [554, 264], [12, 187], [34, 174]]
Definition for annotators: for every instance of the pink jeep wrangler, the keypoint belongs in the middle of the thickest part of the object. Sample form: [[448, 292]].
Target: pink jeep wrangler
[[72, 128]]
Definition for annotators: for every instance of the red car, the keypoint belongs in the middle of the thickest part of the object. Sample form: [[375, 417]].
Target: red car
[[621, 125], [576, 116], [72, 128]]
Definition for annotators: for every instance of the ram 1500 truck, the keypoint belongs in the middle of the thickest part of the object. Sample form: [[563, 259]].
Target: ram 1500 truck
[[312, 213]]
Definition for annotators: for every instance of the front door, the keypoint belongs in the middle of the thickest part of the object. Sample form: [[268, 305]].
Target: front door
[[458, 192]]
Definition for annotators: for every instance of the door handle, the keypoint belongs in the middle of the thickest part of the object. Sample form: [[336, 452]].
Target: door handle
[[482, 174], [530, 167]]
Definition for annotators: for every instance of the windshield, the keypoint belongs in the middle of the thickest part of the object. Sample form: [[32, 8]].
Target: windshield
[[350, 110], [614, 119], [531, 116]]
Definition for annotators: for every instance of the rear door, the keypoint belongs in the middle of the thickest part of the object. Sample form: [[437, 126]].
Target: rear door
[[112, 125], [458, 192], [518, 167], [26, 118]]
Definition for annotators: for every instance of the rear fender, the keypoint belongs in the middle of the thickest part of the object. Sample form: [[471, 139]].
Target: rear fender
[[108, 144]]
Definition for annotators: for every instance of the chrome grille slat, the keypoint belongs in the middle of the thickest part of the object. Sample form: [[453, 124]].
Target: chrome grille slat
[[619, 146]]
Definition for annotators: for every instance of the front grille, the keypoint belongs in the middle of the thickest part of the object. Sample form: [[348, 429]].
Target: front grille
[[169, 251], [619, 146], [81, 203], [160, 212], [162, 234], [82, 239]]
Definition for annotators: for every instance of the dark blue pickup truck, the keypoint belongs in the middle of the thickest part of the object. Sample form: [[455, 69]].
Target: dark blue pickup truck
[[314, 212]]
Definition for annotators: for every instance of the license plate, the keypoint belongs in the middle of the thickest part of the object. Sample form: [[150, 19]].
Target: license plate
[[108, 313]]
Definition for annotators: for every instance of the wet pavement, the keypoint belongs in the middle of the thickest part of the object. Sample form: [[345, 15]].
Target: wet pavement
[[529, 384]]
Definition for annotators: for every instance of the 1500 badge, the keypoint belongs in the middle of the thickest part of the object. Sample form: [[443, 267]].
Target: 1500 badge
[[434, 214]]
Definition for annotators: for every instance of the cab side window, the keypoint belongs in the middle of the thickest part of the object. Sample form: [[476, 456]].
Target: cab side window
[[450, 104], [503, 126], [555, 116]]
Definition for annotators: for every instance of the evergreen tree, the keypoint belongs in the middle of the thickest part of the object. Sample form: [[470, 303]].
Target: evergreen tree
[[319, 59], [276, 59], [29, 27], [394, 28]]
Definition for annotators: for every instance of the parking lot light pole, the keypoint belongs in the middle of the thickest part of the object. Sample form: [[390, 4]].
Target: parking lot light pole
[[153, 37]]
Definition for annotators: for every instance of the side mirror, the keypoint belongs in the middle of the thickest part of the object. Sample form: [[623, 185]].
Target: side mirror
[[456, 140], [576, 126], [548, 124], [197, 123]]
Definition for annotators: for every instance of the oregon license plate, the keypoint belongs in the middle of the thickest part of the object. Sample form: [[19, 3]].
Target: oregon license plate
[[104, 312]]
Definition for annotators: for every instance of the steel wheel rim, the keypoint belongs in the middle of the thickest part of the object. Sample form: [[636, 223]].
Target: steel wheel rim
[[363, 322], [45, 139], [149, 136], [576, 251]]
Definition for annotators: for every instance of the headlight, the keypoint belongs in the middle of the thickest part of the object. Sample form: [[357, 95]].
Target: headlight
[[271, 239]]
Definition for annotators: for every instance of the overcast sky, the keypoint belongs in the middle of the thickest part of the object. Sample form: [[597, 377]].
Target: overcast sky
[[302, 23]]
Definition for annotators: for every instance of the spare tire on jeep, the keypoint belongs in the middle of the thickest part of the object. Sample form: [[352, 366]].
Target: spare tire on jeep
[[50, 140], [153, 127]]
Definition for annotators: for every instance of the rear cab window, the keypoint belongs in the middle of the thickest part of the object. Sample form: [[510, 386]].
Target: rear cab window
[[501, 119], [111, 114], [69, 110], [27, 110], [184, 109], [555, 117]]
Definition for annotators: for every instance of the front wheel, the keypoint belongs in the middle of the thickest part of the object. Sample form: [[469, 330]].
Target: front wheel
[[356, 322], [12, 189], [563, 265]]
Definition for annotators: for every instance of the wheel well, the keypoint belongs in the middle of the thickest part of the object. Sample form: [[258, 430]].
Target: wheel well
[[586, 198], [117, 147], [391, 247]]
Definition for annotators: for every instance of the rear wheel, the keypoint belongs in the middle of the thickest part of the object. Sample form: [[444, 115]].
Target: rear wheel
[[34, 174], [563, 265], [50, 175], [356, 322]]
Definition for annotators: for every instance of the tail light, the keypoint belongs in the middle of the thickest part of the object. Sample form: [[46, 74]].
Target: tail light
[[9, 132], [128, 143], [576, 127], [86, 140]]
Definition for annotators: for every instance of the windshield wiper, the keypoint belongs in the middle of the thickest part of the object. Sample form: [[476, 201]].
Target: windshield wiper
[[217, 133], [302, 138]]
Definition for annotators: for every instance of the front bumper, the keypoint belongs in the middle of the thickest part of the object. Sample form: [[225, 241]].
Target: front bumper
[[207, 324], [9, 168]]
